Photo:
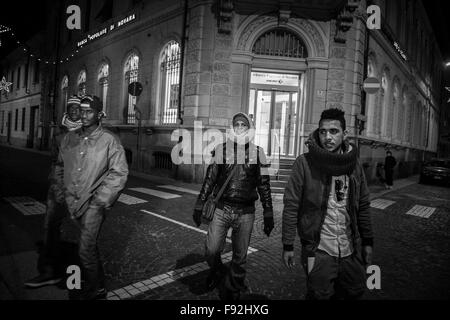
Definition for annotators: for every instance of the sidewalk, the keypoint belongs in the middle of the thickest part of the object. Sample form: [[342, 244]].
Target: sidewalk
[[376, 190]]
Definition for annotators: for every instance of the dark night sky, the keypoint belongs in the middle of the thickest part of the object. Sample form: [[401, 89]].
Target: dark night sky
[[27, 17]]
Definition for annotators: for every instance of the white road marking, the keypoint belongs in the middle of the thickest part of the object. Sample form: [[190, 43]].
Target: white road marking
[[156, 193], [140, 287], [129, 200], [175, 188], [180, 223], [170, 276], [421, 211], [26, 205], [381, 203]]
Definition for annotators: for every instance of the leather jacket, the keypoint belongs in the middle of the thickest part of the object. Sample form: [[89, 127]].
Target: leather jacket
[[249, 179]]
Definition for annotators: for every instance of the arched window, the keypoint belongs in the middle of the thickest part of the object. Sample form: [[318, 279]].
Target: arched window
[[81, 83], [381, 112], [130, 70], [393, 110], [281, 43], [169, 82], [416, 124], [102, 80], [371, 99], [64, 94], [402, 116]]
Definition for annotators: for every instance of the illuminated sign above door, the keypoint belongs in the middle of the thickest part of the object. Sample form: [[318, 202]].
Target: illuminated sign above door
[[277, 79]]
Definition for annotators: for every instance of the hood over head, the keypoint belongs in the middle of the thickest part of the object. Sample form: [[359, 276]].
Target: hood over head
[[246, 137]]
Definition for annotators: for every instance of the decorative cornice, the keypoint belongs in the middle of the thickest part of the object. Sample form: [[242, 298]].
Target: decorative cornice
[[310, 33]]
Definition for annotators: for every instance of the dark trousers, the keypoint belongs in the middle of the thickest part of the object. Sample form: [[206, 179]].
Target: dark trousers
[[389, 177], [335, 278], [242, 225], [55, 213], [90, 224]]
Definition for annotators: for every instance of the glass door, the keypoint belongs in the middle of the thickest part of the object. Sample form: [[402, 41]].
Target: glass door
[[274, 113], [284, 123]]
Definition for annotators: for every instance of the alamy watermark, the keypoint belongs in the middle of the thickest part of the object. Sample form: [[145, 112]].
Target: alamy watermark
[[229, 148]]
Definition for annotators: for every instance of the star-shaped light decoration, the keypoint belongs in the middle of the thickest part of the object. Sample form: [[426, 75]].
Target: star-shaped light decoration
[[4, 85], [448, 89]]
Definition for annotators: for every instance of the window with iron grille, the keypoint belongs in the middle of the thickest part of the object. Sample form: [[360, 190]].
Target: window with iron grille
[[103, 83], [281, 43], [170, 76], [131, 70]]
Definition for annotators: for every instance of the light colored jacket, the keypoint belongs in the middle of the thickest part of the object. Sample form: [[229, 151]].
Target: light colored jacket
[[92, 170]]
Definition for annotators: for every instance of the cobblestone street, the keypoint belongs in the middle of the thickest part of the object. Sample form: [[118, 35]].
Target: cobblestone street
[[151, 249]]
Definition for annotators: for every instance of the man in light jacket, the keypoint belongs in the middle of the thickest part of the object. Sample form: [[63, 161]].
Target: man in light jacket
[[93, 170]]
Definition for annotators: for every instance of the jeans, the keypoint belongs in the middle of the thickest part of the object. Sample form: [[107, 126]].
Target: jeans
[[335, 278], [55, 213], [90, 224], [242, 225]]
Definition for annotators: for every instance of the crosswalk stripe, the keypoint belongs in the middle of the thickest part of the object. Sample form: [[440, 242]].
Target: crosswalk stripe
[[175, 188], [381, 203], [421, 211], [140, 287], [26, 205], [156, 193], [127, 199]]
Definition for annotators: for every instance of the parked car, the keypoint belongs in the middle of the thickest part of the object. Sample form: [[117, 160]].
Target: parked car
[[435, 170]]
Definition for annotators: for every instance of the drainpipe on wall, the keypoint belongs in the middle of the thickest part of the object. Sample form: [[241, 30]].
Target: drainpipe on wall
[[361, 122], [183, 45]]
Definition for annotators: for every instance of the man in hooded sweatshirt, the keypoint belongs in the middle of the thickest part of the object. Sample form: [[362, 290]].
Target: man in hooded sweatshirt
[[236, 207], [49, 265], [327, 201]]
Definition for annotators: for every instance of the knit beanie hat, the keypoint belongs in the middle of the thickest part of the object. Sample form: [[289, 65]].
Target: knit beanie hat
[[93, 102], [73, 100]]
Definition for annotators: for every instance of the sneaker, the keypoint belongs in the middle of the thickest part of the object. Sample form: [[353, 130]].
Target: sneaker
[[212, 281], [43, 280]]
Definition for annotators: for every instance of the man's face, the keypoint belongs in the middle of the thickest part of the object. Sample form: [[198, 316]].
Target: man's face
[[74, 112], [89, 116], [240, 127], [331, 134]]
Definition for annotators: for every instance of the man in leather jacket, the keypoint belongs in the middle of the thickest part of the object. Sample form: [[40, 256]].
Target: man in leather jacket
[[236, 207]]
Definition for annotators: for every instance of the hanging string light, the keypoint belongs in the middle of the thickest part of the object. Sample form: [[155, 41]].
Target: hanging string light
[[25, 49]]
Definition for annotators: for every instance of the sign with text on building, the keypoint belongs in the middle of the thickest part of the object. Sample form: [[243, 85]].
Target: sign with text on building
[[279, 79], [106, 30]]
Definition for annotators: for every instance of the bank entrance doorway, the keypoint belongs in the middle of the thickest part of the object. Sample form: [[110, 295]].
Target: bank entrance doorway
[[274, 108]]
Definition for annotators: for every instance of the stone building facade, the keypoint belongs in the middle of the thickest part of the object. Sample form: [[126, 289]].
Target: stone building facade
[[283, 62]]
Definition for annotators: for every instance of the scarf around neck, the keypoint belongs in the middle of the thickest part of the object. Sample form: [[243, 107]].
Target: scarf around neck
[[334, 164], [69, 124]]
